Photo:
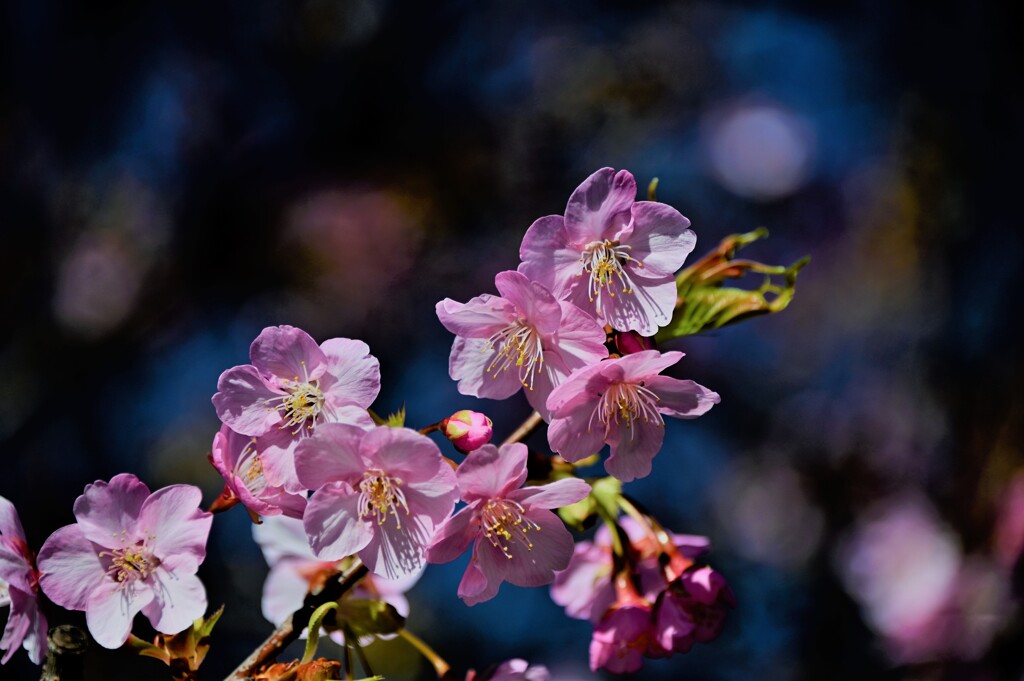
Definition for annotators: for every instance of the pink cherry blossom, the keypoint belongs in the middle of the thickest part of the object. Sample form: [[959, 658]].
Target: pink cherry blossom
[[468, 430], [621, 402], [585, 587], [622, 638], [611, 255], [515, 537], [512, 670], [130, 551], [19, 588], [294, 569], [692, 609], [522, 339], [379, 494], [293, 384], [256, 473]]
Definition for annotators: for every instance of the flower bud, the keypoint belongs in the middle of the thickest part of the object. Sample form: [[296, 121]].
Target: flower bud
[[468, 430], [628, 342]]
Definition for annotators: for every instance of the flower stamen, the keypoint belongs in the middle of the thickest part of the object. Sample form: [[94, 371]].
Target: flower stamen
[[504, 524], [623, 404], [130, 564], [381, 496], [302, 405], [517, 344], [605, 262]]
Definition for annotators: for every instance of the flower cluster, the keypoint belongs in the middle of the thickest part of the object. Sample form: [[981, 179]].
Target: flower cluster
[[349, 507], [606, 267]]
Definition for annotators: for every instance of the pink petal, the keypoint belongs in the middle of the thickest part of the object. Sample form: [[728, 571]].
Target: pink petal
[[544, 382], [285, 352], [489, 472], [245, 402], [330, 454], [583, 387], [282, 538], [111, 608], [533, 301], [649, 307], [402, 452], [633, 451], [584, 588], [179, 600], [176, 527], [453, 537], [26, 627], [469, 364], [70, 567], [15, 564], [350, 414], [661, 237], [352, 374], [106, 510], [643, 366], [552, 549], [571, 432], [681, 398], [552, 495], [547, 257], [580, 339], [332, 522], [481, 317], [10, 524], [475, 586], [592, 208], [285, 589], [394, 552], [674, 627]]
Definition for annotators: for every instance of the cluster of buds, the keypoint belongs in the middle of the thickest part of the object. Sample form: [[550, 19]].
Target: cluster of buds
[[640, 587]]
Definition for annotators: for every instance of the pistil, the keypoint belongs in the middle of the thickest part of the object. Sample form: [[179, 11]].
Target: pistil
[[381, 496], [504, 525], [605, 263], [519, 345]]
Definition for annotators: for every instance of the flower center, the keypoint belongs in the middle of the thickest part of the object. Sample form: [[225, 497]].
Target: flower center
[[504, 524], [517, 344], [623, 403], [250, 468], [131, 563], [5, 598], [605, 262], [302, 404], [381, 496]]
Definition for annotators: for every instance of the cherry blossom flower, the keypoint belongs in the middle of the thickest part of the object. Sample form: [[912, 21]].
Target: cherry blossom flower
[[379, 494], [692, 610], [621, 402], [515, 537], [522, 339], [622, 639], [512, 670], [256, 473], [130, 551], [611, 255], [294, 568], [294, 384], [468, 430], [585, 587], [19, 588]]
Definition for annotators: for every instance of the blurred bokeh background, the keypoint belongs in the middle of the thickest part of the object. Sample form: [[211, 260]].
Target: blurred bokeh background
[[176, 176]]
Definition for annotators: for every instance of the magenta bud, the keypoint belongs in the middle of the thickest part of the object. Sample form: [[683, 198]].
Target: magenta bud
[[628, 342], [467, 430]]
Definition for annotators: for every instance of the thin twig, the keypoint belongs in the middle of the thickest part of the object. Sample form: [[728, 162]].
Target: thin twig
[[296, 622], [520, 433], [65, 645]]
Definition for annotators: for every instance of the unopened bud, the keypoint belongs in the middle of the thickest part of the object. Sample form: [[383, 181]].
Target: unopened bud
[[628, 342], [468, 430]]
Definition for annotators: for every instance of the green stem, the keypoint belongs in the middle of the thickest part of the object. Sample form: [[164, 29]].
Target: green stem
[[440, 666], [349, 636], [314, 629]]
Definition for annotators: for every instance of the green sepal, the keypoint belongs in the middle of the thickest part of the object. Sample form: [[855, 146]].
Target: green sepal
[[368, 617], [395, 420], [703, 302], [604, 496]]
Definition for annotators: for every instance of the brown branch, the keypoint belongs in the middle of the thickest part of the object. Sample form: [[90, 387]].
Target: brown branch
[[65, 645], [291, 628], [524, 429]]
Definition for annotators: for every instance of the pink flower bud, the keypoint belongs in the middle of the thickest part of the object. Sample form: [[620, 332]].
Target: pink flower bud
[[468, 430], [629, 342]]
